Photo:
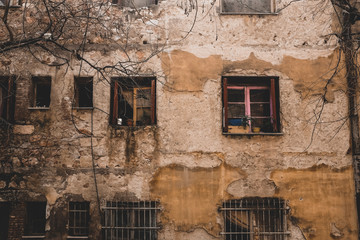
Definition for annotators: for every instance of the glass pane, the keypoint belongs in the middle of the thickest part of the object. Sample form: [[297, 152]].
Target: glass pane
[[143, 116], [260, 95], [143, 98], [236, 95], [236, 110], [264, 124], [260, 109]]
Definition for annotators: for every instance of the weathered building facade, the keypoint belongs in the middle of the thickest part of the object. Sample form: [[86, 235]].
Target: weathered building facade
[[220, 124]]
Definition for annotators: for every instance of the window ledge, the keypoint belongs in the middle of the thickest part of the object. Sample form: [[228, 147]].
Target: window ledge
[[131, 127], [236, 13], [38, 108], [255, 134], [78, 237], [83, 108], [32, 237]]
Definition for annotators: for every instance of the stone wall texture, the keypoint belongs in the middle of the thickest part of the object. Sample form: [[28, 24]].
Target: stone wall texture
[[185, 161]]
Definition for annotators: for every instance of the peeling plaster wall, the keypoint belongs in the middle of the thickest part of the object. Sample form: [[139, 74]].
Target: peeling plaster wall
[[185, 161]]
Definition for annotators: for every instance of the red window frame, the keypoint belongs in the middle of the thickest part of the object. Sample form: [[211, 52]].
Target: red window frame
[[273, 103]]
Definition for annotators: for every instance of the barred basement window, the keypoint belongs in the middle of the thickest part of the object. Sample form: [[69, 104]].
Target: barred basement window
[[78, 219], [133, 101], [35, 220], [83, 92], [255, 219], [130, 220]]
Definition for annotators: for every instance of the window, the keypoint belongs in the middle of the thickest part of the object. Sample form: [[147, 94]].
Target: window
[[78, 219], [135, 3], [7, 98], [41, 93], [83, 92], [133, 101], [255, 218], [12, 3], [247, 6], [4, 220], [35, 219], [130, 220], [250, 105]]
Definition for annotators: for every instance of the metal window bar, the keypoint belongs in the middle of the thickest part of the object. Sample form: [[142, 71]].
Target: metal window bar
[[255, 219], [78, 218], [130, 220]]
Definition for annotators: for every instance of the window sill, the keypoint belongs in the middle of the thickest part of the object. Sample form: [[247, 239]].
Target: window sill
[[83, 108], [33, 237], [236, 13], [77, 237], [255, 134], [131, 127], [38, 108]]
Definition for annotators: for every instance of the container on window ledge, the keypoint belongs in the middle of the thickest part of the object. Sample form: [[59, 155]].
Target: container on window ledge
[[256, 129], [130, 122]]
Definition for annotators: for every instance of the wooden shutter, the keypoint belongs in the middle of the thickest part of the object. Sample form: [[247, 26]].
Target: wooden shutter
[[273, 105], [153, 102], [225, 106], [115, 103]]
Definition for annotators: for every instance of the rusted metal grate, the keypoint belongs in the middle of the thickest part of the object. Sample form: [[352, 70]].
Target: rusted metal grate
[[130, 220], [78, 218], [255, 219]]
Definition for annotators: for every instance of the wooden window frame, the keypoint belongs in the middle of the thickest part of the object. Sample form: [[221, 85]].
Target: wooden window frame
[[271, 86], [116, 90]]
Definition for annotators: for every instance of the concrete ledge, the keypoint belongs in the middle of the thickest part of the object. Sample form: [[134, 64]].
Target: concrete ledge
[[24, 129]]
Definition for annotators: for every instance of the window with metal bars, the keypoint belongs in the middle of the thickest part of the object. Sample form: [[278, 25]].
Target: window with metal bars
[[255, 219], [130, 220], [78, 219], [250, 105], [133, 101]]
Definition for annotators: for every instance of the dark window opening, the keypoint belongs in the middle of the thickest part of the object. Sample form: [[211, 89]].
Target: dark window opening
[[7, 98], [12, 3], [83, 92], [135, 3], [4, 220], [255, 218], [251, 105], [42, 90], [133, 101], [247, 6], [78, 218], [130, 220], [35, 219]]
